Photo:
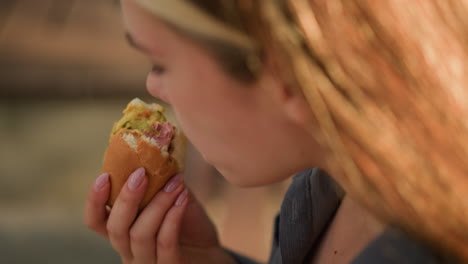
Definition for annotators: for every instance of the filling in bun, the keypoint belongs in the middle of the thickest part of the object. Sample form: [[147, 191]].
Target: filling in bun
[[147, 121]]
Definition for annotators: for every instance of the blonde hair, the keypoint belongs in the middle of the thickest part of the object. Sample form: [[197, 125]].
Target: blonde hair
[[386, 81], [387, 84]]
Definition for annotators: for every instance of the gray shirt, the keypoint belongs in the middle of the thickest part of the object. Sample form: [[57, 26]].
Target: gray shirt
[[308, 206]]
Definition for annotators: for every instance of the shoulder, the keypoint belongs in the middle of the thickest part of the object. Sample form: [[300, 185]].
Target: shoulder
[[394, 246]]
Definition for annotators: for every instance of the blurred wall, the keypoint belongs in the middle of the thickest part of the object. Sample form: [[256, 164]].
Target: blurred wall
[[66, 48], [66, 73]]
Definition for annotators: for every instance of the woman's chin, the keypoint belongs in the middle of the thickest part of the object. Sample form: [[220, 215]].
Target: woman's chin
[[243, 179], [234, 178]]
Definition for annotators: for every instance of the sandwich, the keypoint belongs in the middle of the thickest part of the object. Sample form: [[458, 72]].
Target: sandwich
[[143, 137]]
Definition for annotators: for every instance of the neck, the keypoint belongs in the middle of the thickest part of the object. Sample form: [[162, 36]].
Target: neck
[[348, 234]]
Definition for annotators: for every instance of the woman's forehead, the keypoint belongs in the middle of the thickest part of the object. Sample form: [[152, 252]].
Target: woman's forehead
[[144, 31]]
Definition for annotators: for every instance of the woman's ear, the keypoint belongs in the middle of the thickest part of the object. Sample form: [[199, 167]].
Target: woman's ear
[[289, 97], [296, 107]]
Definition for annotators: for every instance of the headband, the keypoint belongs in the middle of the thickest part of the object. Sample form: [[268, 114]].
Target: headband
[[185, 15]]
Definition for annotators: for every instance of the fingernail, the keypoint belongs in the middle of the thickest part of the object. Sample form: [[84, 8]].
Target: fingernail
[[173, 183], [101, 181], [181, 198], [136, 178]]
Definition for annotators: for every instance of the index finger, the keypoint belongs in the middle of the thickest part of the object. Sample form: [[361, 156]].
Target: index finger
[[95, 210]]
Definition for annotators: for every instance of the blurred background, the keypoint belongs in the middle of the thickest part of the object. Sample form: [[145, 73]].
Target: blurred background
[[66, 73]]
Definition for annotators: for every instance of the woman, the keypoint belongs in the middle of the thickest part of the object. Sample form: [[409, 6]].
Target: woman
[[267, 89]]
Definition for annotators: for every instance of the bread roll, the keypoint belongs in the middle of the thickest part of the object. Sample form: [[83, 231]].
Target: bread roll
[[143, 138]]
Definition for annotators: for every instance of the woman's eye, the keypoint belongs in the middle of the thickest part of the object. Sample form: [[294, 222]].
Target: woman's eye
[[157, 69]]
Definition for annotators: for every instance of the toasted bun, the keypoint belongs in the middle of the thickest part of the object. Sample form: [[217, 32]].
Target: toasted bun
[[130, 149]]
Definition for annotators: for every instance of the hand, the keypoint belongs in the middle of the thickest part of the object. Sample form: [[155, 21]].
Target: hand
[[173, 228]]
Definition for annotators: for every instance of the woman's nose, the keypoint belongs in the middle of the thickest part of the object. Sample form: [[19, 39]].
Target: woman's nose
[[155, 88]]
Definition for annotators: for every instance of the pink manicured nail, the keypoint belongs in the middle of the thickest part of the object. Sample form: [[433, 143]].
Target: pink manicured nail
[[173, 183], [101, 181], [136, 178], [182, 197]]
